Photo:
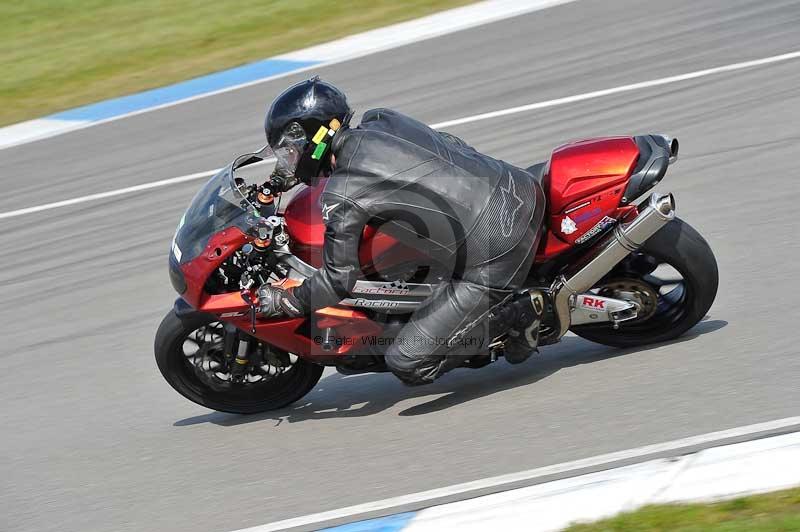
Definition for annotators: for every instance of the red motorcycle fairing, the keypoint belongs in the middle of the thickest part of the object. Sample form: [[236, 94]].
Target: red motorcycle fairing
[[290, 335], [282, 333], [582, 169], [220, 246], [304, 223]]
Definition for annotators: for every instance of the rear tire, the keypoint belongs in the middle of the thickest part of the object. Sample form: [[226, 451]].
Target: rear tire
[[237, 398], [681, 247]]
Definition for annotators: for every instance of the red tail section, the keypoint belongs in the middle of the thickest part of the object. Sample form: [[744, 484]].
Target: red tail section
[[586, 181]]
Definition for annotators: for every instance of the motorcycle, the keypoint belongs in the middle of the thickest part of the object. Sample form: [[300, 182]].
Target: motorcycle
[[613, 271]]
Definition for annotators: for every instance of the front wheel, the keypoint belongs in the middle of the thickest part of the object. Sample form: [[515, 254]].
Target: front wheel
[[190, 355], [673, 279]]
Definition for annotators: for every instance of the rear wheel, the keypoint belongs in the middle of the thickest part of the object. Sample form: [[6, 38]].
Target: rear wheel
[[190, 355], [673, 279]]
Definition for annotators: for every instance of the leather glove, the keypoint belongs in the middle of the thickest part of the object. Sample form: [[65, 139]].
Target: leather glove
[[280, 180], [274, 302]]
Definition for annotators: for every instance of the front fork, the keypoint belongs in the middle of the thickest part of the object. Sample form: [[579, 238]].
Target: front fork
[[237, 353], [241, 351]]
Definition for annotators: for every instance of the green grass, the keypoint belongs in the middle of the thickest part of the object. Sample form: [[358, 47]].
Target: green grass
[[58, 54], [778, 511]]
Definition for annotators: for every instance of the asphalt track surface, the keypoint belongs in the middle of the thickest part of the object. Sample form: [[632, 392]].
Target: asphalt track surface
[[93, 439]]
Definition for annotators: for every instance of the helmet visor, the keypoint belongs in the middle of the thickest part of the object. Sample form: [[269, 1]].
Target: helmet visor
[[289, 149]]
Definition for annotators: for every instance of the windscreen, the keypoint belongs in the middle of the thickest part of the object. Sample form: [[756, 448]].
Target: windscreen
[[215, 207], [221, 203]]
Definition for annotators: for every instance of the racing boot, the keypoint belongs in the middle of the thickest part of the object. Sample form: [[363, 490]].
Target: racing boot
[[523, 336]]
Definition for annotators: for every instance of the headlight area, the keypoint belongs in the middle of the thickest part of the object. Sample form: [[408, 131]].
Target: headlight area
[[176, 275]]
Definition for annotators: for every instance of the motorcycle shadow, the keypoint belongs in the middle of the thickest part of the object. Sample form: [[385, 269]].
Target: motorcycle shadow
[[338, 396]]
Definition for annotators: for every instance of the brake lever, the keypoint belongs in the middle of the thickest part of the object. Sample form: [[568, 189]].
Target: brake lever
[[253, 309]]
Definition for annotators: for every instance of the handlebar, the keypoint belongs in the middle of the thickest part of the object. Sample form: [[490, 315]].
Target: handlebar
[[280, 181]]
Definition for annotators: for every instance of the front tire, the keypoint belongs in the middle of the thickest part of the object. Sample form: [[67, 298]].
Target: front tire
[[675, 310], [205, 388]]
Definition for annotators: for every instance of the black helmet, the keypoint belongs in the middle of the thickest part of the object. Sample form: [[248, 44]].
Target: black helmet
[[300, 124]]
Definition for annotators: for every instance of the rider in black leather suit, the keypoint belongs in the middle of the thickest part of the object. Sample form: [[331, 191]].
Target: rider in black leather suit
[[478, 216]]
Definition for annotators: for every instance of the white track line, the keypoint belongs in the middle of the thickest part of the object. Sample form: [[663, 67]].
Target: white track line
[[623, 88], [530, 475], [109, 194], [458, 121]]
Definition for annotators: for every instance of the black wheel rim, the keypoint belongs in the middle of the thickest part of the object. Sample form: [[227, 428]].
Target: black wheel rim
[[205, 368]]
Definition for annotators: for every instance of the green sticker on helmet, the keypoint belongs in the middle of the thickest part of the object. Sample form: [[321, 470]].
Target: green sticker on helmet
[[320, 149]]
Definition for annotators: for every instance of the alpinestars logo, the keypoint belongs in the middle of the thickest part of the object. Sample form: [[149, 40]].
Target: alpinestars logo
[[327, 209], [511, 204]]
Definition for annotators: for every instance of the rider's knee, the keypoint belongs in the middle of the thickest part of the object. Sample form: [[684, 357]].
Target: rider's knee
[[412, 370]]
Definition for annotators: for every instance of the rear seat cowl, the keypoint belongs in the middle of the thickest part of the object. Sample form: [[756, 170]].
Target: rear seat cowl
[[654, 155]]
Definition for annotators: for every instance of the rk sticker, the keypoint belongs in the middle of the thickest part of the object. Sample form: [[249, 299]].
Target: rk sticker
[[592, 303], [568, 226]]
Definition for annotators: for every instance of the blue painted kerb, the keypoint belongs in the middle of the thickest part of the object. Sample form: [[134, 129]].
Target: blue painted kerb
[[180, 91], [390, 523]]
